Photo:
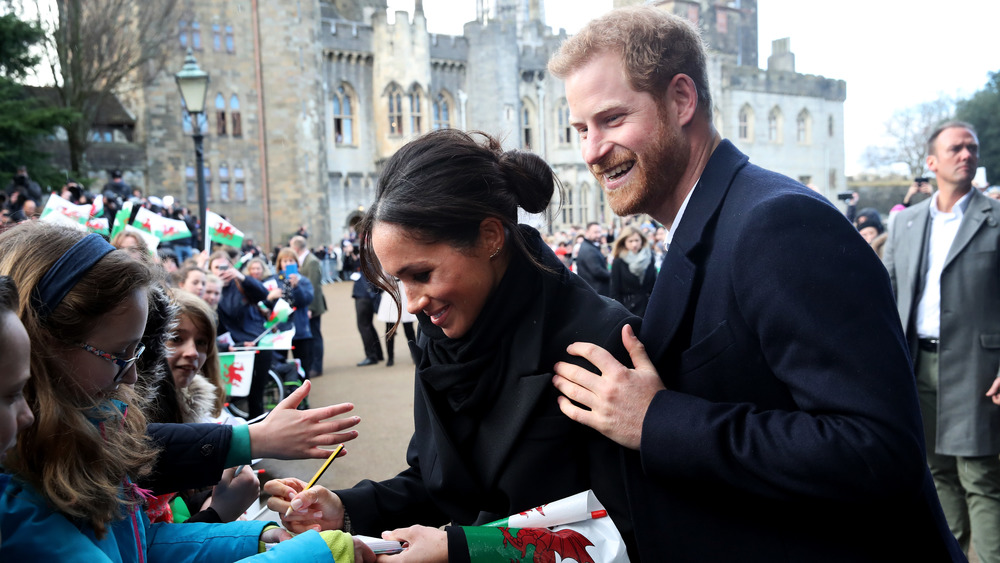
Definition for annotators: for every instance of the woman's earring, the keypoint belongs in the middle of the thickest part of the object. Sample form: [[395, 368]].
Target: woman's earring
[[495, 252]]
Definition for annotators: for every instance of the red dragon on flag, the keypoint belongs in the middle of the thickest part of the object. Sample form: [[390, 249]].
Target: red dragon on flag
[[232, 374], [569, 544]]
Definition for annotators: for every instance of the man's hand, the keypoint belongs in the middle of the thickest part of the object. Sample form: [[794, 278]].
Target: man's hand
[[287, 433], [994, 391], [317, 508], [423, 544], [618, 398]]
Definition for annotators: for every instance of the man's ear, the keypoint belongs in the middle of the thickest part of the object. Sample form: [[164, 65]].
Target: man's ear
[[682, 98]]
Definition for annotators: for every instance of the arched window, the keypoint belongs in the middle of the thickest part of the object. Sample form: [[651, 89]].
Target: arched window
[[220, 115], [746, 123], [224, 182], [567, 210], [395, 112], [416, 111], [182, 33], [216, 37], [565, 130], [803, 128], [230, 43], [234, 116], [775, 124], [239, 187], [208, 183], [442, 111], [527, 124], [195, 36], [343, 117]]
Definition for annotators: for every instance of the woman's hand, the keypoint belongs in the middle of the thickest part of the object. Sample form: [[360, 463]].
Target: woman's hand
[[317, 508], [235, 493], [287, 433], [294, 280], [423, 544], [274, 295]]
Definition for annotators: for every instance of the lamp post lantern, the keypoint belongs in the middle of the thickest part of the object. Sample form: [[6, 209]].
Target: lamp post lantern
[[193, 85]]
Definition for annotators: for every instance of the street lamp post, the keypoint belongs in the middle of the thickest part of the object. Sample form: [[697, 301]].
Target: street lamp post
[[193, 84]]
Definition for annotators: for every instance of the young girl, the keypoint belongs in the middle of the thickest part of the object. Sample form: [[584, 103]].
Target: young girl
[[633, 271], [14, 412], [71, 495], [193, 392]]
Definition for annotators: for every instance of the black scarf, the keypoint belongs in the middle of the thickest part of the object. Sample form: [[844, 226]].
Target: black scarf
[[464, 374]]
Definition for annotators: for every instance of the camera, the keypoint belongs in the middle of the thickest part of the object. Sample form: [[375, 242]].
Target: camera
[[223, 267], [845, 196], [921, 180]]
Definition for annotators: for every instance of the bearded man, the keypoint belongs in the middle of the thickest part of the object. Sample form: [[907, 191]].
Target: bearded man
[[772, 413]]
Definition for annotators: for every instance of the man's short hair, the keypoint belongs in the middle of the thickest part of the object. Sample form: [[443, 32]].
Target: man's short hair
[[298, 243], [591, 224], [947, 125], [654, 45]]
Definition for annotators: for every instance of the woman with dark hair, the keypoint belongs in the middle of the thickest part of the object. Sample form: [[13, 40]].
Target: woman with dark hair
[[497, 310], [633, 272]]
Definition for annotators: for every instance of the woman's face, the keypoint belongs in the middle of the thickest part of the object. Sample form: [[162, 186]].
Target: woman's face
[[447, 284], [218, 265], [195, 283], [256, 270], [14, 373], [117, 332], [187, 351], [284, 262], [213, 291], [633, 243]]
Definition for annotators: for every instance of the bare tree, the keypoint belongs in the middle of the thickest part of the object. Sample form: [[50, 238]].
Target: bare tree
[[908, 130], [103, 48]]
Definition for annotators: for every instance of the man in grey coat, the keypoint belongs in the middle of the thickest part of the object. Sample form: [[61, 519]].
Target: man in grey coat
[[943, 258]]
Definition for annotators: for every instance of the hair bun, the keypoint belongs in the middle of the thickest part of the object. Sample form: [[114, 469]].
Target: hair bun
[[530, 179]]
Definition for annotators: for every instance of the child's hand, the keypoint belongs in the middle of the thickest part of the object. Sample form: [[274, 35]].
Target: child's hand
[[287, 433], [235, 493], [315, 509]]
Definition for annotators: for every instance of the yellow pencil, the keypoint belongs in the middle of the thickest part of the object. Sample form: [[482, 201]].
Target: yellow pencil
[[319, 473]]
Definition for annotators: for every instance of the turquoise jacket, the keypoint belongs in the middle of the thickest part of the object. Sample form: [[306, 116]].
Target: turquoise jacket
[[30, 530]]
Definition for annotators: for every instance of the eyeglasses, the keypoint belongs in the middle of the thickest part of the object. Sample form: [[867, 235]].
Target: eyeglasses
[[123, 363]]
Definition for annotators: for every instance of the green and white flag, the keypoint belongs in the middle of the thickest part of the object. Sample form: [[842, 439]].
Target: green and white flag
[[279, 314], [98, 225], [222, 231], [159, 226], [237, 371], [58, 206], [121, 219], [97, 209], [277, 340]]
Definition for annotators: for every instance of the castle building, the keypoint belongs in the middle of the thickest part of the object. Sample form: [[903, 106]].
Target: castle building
[[309, 97]]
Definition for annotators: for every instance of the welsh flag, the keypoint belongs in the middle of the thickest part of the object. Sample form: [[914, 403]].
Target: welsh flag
[[98, 225], [237, 371], [58, 205], [222, 231], [97, 209], [279, 314], [121, 218], [277, 340], [159, 226]]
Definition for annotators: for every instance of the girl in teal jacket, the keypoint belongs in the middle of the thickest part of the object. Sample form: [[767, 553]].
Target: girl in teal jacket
[[69, 494]]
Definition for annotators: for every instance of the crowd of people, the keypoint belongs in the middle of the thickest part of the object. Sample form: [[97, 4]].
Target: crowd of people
[[761, 387]]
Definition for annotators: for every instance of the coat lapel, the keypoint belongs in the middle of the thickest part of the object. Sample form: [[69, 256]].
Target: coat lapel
[[672, 291], [978, 212], [913, 240]]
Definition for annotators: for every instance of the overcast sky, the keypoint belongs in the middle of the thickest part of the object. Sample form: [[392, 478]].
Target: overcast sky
[[892, 53]]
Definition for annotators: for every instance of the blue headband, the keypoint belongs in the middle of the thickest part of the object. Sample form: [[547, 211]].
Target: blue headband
[[67, 271]]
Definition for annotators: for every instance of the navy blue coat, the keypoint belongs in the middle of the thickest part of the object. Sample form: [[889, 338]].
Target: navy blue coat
[[789, 430]]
